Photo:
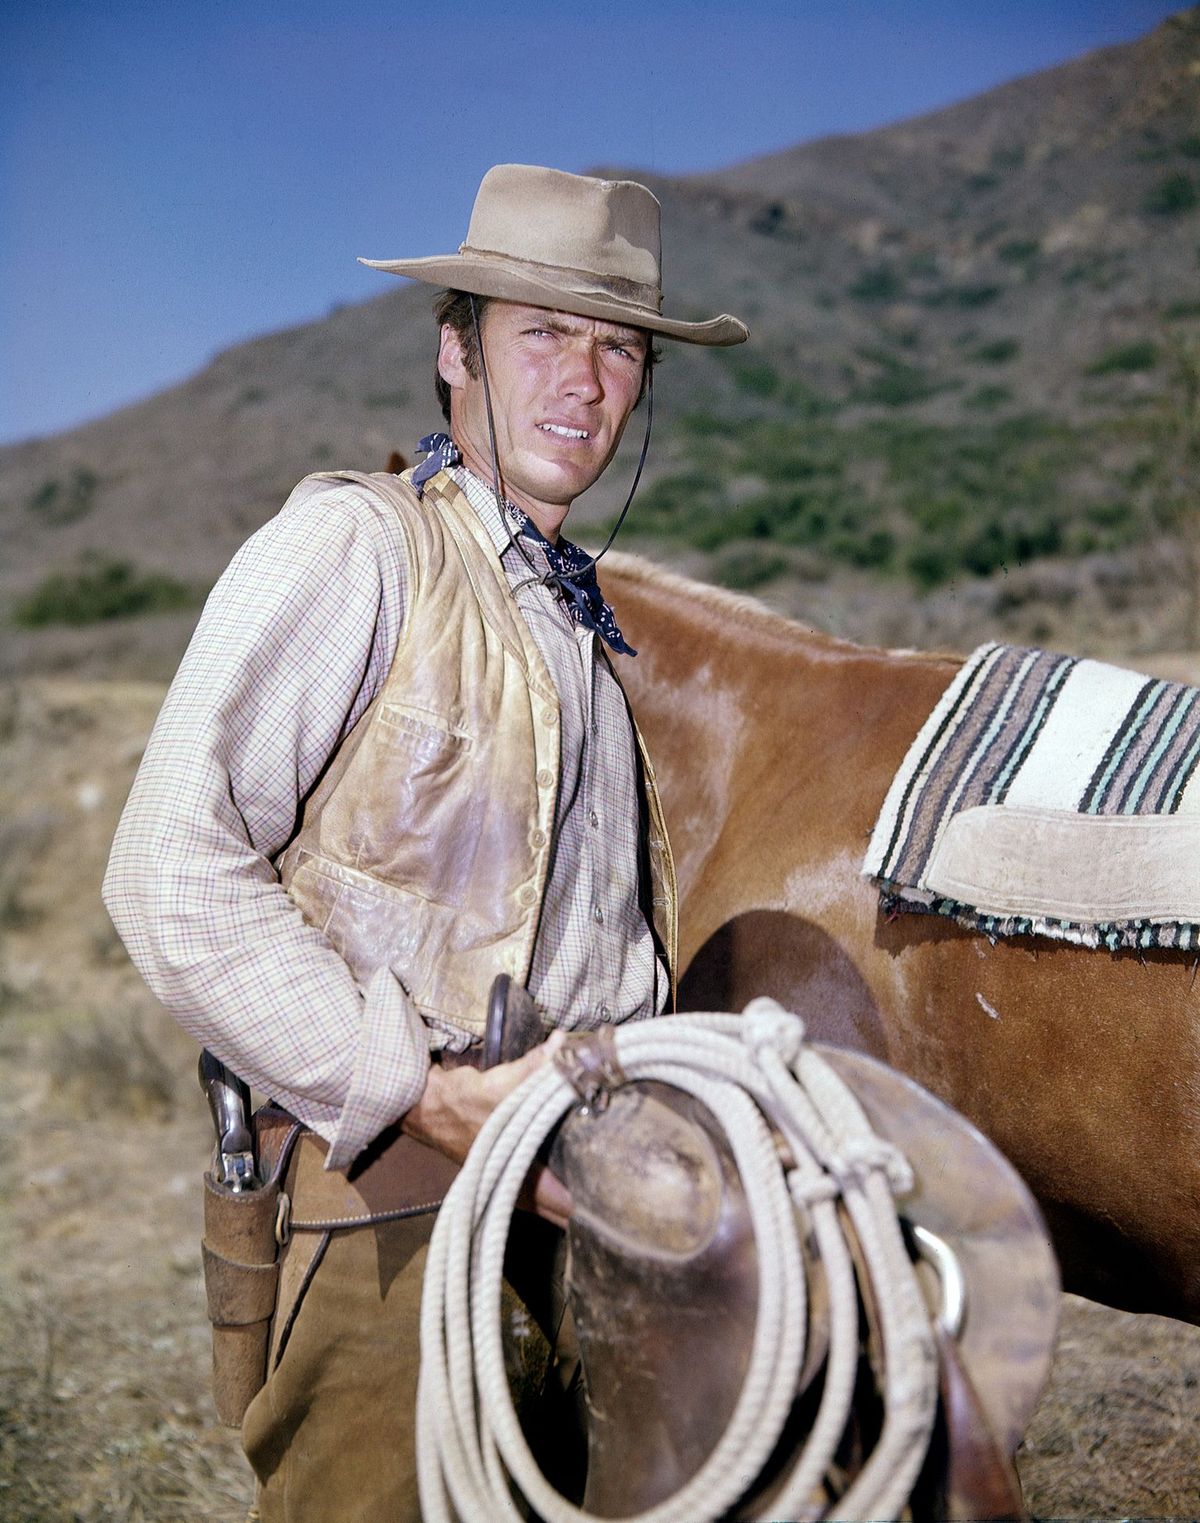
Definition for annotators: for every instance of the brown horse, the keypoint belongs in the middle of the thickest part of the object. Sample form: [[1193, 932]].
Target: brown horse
[[774, 747]]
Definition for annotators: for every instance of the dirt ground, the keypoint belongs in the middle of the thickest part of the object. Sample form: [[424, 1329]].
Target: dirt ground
[[104, 1408]]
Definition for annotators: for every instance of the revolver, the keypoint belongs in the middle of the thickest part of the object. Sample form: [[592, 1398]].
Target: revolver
[[229, 1101]]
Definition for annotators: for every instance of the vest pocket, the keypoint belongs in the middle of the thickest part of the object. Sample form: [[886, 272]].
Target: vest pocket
[[405, 811], [422, 733]]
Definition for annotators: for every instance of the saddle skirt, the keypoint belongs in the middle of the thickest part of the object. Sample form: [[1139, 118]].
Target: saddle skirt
[[1050, 795]]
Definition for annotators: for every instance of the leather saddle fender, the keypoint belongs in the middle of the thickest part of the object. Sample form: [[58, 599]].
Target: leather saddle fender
[[662, 1288]]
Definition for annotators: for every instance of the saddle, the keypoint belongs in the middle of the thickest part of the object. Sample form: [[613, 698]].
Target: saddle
[[662, 1289]]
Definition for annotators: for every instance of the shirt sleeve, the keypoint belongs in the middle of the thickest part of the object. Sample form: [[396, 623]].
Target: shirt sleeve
[[295, 640]]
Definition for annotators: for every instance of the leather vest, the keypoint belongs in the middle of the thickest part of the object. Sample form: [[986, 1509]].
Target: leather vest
[[426, 844]]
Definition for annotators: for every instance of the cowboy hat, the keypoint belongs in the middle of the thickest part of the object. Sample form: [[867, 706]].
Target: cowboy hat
[[568, 242]]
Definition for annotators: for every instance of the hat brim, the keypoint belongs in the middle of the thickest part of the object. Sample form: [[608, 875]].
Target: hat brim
[[460, 272]]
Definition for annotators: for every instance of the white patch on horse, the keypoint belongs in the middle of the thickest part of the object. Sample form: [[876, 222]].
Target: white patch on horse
[[989, 1009], [520, 1323], [806, 892]]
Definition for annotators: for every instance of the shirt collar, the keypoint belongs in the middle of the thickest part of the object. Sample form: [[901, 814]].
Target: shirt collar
[[568, 565]]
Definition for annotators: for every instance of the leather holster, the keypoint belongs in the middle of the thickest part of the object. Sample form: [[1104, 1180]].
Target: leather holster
[[240, 1251]]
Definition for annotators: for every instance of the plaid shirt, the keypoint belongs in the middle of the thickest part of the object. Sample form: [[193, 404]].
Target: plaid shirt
[[294, 643]]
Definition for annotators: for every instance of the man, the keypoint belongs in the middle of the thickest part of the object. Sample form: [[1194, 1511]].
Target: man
[[395, 762]]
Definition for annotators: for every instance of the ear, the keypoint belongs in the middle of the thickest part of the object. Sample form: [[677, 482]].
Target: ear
[[451, 364]]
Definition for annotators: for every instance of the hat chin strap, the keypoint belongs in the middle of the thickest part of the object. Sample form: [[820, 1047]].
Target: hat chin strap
[[498, 485]]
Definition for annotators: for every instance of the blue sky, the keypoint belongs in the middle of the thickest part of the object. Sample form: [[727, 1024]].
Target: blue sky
[[175, 177]]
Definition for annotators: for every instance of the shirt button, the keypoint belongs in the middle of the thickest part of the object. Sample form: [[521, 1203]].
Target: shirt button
[[549, 716], [528, 895], [594, 820], [598, 915], [538, 839], [603, 1012], [544, 778]]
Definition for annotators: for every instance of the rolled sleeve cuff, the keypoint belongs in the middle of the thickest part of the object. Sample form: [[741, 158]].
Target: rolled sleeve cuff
[[390, 1069]]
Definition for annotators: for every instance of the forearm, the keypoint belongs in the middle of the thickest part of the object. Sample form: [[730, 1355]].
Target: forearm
[[293, 643], [228, 953], [455, 1104]]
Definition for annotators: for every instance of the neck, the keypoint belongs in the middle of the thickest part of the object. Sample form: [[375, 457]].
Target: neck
[[548, 517]]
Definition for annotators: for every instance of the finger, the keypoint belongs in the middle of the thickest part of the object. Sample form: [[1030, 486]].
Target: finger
[[532, 1060]]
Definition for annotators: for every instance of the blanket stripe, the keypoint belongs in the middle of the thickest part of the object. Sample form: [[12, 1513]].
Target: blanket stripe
[[1030, 727]]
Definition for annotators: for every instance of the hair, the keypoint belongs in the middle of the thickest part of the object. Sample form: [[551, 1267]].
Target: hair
[[454, 308]]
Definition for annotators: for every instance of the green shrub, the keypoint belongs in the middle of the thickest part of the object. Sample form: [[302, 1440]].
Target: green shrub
[[898, 385], [1181, 309], [106, 589], [674, 504], [1190, 146], [997, 351], [701, 425], [962, 296], [767, 516], [1173, 194], [930, 563], [924, 265], [891, 494], [988, 398], [1012, 157], [870, 549], [1019, 250], [746, 567], [755, 377], [388, 399], [1142, 354], [56, 502], [878, 283], [804, 401], [976, 296], [1110, 514]]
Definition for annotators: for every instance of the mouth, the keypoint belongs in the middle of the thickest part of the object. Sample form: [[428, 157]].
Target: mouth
[[564, 431]]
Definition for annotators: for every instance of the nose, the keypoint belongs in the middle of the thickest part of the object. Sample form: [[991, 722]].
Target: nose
[[579, 373]]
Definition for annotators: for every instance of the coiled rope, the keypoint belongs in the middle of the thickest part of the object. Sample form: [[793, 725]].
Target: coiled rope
[[761, 1081]]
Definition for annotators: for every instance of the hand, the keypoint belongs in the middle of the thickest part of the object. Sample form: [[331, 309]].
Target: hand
[[457, 1102]]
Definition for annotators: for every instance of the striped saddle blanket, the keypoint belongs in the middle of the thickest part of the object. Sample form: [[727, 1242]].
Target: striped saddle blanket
[[1052, 796]]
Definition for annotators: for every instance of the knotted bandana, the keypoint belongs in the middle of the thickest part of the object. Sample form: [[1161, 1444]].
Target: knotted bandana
[[571, 569]]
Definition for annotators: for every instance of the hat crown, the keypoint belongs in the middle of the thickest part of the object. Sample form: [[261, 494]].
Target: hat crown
[[606, 228]]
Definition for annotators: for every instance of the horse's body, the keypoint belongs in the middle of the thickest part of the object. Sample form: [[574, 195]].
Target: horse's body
[[774, 748]]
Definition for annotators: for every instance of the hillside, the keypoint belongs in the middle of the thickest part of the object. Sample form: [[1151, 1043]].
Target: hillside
[[971, 402]]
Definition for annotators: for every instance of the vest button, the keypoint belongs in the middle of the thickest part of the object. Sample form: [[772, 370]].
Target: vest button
[[538, 839], [528, 895], [545, 777], [549, 716]]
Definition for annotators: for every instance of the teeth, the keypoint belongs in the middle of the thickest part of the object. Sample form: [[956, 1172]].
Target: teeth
[[564, 433]]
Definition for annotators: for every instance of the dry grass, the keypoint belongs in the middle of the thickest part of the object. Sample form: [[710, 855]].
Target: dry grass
[[98, 1067]]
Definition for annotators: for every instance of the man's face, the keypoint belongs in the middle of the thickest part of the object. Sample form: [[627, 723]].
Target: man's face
[[562, 390]]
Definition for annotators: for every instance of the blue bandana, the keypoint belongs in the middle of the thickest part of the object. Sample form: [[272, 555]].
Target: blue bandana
[[571, 568]]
